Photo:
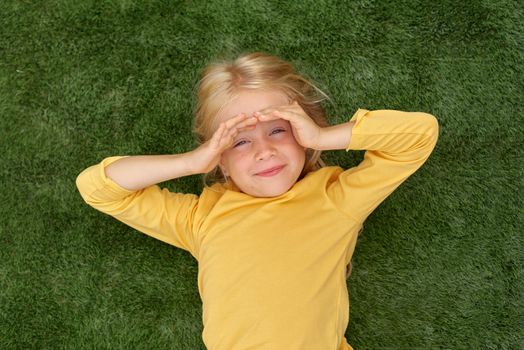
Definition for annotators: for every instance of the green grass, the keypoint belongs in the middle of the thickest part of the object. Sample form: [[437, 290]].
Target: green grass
[[440, 263]]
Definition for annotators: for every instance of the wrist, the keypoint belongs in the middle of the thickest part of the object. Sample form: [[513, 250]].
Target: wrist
[[191, 162], [335, 137]]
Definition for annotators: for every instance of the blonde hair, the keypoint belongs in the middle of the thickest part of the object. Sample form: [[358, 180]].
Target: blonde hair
[[222, 80]]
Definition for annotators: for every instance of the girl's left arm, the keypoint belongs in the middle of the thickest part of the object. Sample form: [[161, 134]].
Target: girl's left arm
[[397, 143]]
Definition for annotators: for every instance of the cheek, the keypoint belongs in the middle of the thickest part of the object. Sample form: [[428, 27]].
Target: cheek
[[288, 137], [235, 159], [294, 148], [290, 141]]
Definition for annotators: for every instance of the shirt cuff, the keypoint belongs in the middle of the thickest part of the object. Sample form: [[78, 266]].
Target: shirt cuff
[[357, 117]]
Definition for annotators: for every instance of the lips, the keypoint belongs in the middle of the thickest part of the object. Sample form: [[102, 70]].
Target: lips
[[270, 171]]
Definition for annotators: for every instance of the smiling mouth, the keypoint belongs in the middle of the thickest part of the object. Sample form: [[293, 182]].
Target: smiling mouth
[[271, 172]]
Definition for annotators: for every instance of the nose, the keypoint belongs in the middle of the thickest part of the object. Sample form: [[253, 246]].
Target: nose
[[265, 149]]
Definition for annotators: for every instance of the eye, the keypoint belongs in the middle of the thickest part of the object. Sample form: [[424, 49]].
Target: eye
[[240, 143], [278, 130]]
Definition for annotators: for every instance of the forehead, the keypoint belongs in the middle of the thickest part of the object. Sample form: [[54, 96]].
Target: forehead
[[249, 101]]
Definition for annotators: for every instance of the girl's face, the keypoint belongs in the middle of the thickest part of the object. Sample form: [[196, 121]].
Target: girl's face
[[271, 144]]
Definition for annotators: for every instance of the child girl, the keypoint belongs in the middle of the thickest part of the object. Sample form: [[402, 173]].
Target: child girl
[[275, 229]]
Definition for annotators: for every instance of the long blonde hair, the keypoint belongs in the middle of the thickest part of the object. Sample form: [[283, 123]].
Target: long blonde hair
[[222, 80]]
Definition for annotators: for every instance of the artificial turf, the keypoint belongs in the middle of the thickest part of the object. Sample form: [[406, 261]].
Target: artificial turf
[[440, 264]]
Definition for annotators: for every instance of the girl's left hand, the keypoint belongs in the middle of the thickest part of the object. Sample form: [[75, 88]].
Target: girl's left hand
[[306, 131]]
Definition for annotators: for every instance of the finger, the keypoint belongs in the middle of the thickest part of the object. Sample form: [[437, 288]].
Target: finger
[[246, 122], [247, 128], [268, 110], [236, 119], [217, 136], [231, 133], [225, 140], [274, 115], [243, 124], [290, 106]]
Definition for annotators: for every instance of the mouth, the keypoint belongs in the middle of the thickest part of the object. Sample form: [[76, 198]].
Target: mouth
[[271, 171]]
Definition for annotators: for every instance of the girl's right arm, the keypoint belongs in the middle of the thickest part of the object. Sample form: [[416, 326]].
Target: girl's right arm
[[134, 173], [159, 213], [125, 188], [138, 172]]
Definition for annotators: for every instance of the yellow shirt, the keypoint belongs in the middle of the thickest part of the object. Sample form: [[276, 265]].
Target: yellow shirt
[[272, 271]]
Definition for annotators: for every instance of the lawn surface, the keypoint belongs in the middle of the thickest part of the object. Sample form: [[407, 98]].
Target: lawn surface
[[440, 264]]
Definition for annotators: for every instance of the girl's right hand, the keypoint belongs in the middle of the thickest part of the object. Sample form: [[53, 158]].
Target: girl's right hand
[[207, 156]]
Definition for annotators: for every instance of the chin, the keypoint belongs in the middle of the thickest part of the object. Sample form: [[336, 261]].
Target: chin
[[268, 188]]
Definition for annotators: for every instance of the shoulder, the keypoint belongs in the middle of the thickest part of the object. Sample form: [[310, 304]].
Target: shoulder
[[216, 190], [325, 174], [326, 171]]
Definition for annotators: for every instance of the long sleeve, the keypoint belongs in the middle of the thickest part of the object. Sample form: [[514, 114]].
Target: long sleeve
[[397, 143], [159, 213]]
